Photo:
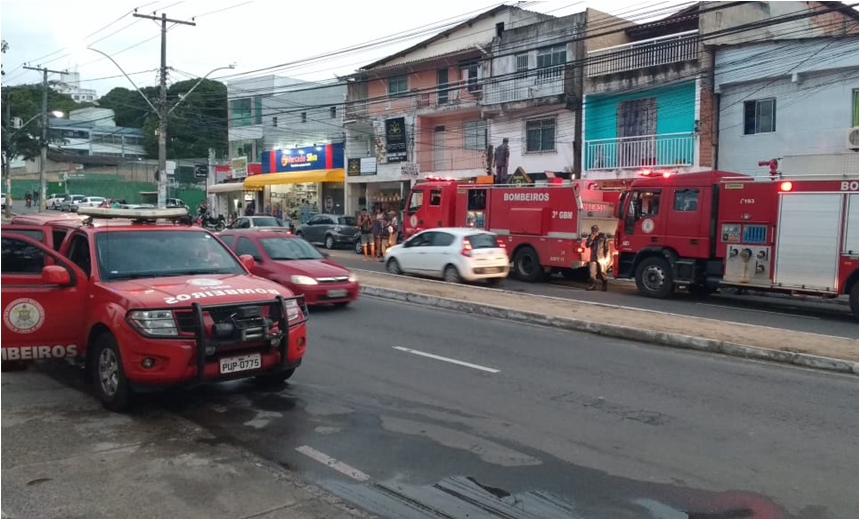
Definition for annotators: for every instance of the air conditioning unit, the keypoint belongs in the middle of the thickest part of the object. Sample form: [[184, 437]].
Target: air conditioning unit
[[852, 141], [17, 122]]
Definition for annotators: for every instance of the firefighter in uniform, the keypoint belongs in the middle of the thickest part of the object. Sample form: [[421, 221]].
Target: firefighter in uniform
[[599, 246]]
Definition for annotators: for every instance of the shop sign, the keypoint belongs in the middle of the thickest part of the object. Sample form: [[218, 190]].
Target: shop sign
[[408, 171], [395, 139], [361, 166], [239, 167], [326, 157]]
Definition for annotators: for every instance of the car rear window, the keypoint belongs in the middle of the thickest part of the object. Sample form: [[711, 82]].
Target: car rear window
[[35, 234], [482, 241], [347, 221]]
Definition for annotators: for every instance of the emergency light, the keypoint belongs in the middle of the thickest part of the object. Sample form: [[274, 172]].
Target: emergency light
[[786, 186]]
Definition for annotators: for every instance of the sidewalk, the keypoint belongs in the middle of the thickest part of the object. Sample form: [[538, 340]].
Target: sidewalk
[[64, 456], [737, 339]]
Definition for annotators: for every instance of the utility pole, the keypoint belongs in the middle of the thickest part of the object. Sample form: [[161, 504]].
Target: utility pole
[[7, 168], [210, 181], [162, 104], [44, 144]]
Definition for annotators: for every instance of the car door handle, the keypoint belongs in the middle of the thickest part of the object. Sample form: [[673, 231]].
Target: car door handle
[[694, 241], [655, 239]]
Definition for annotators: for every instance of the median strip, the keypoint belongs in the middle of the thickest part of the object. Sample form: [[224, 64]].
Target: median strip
[[674, 330]]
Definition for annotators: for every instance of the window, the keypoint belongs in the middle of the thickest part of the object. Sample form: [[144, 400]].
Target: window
[[551, 60], [686, 200], [290, 249], [416, 200], [258, 111], [304, 117], [522, 64], [347, 221], [332, 112], [855, 100], [759, 116], [442, 86], [436, 197], [397, 86], [19, 257], [441, 239], [540, 135], [472, 74], [245, 247], [475, 134], [58, 236], [79, 252], [240, 112], [483, 241], [477, 200]]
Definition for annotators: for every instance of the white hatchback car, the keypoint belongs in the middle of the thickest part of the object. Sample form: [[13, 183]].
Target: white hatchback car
[[454, 254]]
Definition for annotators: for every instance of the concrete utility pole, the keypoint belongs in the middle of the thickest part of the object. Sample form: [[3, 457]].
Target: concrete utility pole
[[210, 181], [162, 104], [7, 168], [44, 144]]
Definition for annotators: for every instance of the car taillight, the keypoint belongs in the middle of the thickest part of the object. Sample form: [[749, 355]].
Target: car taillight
[[501, 244], [467, 248]]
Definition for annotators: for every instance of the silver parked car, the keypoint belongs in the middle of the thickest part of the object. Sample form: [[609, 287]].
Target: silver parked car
[[329, 230]]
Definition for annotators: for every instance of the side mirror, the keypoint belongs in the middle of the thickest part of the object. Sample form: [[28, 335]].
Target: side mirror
[[248, 261], [56, 275]]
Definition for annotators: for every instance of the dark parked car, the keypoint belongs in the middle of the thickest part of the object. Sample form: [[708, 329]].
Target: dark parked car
[[329, 230]]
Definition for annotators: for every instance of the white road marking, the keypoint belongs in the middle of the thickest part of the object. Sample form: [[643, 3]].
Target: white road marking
[[757, 310], [449, 360], [334, 464]]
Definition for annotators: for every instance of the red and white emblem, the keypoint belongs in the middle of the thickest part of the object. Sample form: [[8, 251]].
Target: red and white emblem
[[24, 316]]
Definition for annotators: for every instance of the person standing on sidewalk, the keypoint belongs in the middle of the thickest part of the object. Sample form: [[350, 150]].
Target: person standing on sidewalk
[[365, 224], [599, 246]]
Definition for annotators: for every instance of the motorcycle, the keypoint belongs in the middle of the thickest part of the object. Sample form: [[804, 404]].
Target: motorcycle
[[29, 202], [212, 223]]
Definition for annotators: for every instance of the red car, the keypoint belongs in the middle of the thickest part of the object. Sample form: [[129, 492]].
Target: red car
[[294, 263]]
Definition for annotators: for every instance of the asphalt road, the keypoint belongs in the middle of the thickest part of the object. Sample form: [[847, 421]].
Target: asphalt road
[[811, 315], [413, 412]]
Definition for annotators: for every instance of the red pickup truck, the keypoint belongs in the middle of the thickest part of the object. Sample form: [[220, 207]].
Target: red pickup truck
[[143, 302]]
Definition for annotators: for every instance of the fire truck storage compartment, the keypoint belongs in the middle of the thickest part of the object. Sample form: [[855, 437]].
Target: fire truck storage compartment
[[528, 221], [809, 229], [851, 244]]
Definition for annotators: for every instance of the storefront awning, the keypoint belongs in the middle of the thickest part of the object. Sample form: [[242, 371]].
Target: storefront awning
[[268, 179], [228, 187]]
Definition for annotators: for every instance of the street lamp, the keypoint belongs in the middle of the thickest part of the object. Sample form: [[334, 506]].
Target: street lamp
[[8, 160]]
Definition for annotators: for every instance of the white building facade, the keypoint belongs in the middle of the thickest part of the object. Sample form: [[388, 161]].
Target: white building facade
[[795, 101]]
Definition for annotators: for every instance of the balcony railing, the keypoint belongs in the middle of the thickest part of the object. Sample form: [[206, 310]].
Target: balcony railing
[[664, 50], [523, 86], [455, 95], [447, 160], [663, 150]]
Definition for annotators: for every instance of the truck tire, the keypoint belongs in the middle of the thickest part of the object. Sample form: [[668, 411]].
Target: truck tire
[[527, 265], [654, 277], [852, 299], [111, 386]]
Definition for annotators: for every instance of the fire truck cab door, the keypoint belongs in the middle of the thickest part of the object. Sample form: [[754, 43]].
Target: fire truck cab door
[[687, 220], [44, 301], [644, 219]]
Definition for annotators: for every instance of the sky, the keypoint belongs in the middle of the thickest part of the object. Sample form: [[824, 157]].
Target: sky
[[250, 34]]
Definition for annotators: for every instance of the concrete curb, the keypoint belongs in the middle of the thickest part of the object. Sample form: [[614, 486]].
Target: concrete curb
[[619, 331]]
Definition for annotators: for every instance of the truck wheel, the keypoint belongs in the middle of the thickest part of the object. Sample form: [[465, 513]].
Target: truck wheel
[[274, 379], [654, 278], [527, 266], [111, 385], [852, 299], [329, 242]]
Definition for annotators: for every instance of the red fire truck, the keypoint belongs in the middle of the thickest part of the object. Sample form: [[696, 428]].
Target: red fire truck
[[543, 226], [711, 229]]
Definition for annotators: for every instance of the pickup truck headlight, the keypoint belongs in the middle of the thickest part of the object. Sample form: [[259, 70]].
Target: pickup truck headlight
[[155, 323], [293, 310], [299, 279]]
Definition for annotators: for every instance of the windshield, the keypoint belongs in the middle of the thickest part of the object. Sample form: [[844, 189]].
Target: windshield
[[483, 241], [347, 221], [124, 255], [266, 222], [290, 249]]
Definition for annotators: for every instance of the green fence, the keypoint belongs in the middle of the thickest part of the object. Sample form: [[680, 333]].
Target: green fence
[[106, 186]]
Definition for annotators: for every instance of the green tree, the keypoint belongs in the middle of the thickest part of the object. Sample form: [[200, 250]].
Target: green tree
[[25, 102], [129, 107]]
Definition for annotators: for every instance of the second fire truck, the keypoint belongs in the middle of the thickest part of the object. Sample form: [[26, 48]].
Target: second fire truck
[[711, 229]]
